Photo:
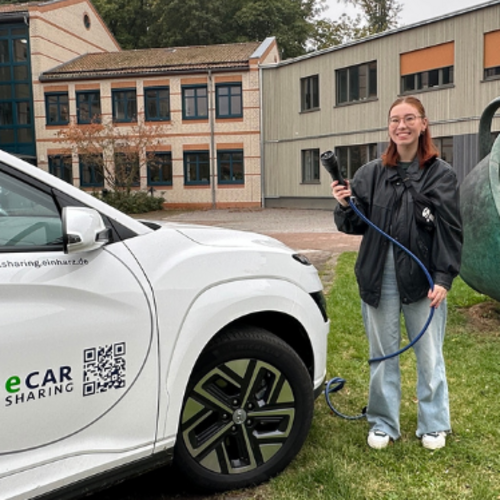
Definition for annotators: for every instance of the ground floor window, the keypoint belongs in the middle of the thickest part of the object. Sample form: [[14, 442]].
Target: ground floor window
[[352, 157], [60, 166], [159, 166], [127, 170], [91, 171], [196, 167], [445, 146], [310, 166], [230, 167]]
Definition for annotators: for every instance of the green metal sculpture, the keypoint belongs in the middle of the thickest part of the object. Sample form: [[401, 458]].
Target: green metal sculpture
[[480, 207]]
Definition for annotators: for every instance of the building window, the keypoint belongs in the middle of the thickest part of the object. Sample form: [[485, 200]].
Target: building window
[[124, 105], [91, 171], [16, 100], [88, 106], [357, 83], [194, 102], [157, 103], [353, 157], [491, 55], [427, 79], [57, 108], [196, 168], [60, 166], [492, 73], [229, 100], [445, 147], [309, 93], [230, 167], [310, 166], [127, 170], [159, 166], [86, 21], [431, 67]]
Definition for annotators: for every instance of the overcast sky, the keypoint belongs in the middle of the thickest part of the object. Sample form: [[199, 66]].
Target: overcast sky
[[413, 10]]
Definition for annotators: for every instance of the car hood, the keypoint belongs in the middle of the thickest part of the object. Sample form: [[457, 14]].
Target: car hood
[[222, 237], [211, 255]]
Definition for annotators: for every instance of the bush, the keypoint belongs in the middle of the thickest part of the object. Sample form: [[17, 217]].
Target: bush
[[136, 202]]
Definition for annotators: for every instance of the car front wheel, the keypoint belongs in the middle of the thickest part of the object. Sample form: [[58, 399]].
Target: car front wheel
[[246, 413]]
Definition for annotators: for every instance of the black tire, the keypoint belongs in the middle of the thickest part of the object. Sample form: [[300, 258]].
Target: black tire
[[246, 413]]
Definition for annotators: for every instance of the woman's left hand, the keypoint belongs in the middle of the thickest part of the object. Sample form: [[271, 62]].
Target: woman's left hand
[[437, 295]]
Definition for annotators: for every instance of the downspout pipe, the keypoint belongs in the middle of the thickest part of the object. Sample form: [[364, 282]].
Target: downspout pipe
[[211, 112], [262, 160]]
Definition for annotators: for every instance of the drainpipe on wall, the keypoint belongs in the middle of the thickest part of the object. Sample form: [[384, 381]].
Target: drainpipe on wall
[[211, 112], [262, 162]]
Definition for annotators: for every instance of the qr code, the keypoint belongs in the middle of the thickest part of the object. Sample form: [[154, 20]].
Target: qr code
[[103, 368]]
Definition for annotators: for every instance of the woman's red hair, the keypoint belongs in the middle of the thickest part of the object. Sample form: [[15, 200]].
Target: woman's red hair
[[426, 150]]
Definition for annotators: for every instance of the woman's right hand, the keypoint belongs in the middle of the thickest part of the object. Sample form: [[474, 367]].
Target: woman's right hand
[[341, 193]]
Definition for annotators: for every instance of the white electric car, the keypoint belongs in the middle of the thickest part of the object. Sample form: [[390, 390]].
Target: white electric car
[[124, 345]]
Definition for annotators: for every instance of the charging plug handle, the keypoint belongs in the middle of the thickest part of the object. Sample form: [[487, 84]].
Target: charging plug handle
[[331, 164]]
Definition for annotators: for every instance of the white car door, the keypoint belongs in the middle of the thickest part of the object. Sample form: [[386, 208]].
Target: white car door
[[78, 355]]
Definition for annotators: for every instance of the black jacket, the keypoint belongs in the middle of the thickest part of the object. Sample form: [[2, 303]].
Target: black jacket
[[383, 198]]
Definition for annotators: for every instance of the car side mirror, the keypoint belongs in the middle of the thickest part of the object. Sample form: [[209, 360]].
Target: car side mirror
[[83, 230]]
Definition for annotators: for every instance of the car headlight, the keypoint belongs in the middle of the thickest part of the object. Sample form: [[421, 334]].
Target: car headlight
[[302, 259]]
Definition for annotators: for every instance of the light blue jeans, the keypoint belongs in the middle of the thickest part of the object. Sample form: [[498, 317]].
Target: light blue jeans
[[382, 326]]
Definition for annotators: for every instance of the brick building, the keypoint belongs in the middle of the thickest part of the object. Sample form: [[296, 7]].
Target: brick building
[[204, 103]]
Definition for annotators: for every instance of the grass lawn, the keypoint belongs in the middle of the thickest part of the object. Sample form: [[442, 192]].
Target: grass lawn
[[336, 462]]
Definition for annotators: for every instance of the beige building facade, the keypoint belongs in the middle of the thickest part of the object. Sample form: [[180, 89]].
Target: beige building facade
[[339, 98], [200, 104], [195, 109]]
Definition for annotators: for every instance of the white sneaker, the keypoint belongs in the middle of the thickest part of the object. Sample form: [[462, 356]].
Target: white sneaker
[[434, 440], [378, 439]]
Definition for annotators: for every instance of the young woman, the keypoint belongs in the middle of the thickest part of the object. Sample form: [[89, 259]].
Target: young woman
[[390, 281]]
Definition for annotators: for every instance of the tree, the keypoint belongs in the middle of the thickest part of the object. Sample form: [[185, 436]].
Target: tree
[[170, 23], [191, 22], [328, 33], [380, 15], [128, 20], [290, 21], [115, 153], [377, 16]]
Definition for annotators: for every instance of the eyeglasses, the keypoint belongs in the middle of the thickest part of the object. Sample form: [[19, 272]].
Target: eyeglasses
[[408, 119]]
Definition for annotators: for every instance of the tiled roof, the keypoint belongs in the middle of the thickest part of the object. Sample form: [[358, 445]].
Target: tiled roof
[[154, 61], [19, 7]]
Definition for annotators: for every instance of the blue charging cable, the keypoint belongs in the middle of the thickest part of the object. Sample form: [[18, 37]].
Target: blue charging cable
[[337, 383]]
